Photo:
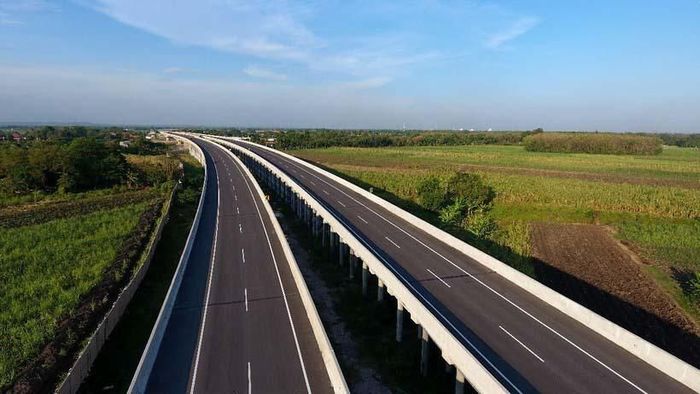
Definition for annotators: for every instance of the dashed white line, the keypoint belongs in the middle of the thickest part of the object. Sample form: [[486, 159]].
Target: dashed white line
[[328, 194], [339, 202], [438, 278], [235, 197], [240, 228], [395, 244], [250, 383], [237, 211], [245, 295], [243, 255], [521, 344], [313, 183], [360, 217]]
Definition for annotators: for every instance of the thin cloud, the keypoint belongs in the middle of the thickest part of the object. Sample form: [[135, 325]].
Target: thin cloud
[[515, 30], [259, 72]]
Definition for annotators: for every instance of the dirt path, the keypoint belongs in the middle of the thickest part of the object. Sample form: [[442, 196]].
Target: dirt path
[[587, 264]]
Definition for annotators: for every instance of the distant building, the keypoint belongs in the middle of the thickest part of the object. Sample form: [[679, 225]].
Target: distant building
[[270, 142], [125, 144], [17, 137]]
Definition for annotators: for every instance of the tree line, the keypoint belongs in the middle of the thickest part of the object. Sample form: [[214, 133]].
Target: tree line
[[600, 143]]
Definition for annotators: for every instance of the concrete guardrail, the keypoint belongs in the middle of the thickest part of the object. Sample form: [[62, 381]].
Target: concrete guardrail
[[453, 351]]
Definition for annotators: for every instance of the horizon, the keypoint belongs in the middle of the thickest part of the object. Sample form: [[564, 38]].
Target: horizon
[[428, 65]]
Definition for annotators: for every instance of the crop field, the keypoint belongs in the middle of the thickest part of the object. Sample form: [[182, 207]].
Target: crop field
[[651, 203]]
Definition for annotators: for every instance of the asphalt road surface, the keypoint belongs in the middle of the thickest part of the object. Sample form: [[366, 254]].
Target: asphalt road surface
[[238, 325], [525, 343]]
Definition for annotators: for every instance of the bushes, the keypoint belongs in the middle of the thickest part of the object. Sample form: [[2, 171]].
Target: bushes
[[462, 200], [618, 144]]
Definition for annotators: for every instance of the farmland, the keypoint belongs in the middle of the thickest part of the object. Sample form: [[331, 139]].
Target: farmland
[[73, 230], [651, 204]]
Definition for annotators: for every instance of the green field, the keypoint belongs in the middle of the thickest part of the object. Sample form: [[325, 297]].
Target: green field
[[45, 268], [653, 202]]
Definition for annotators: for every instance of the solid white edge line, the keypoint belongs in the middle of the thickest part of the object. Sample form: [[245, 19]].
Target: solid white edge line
[[438, 278], [521, 344], [279, 278], [211, 273], [480, 282]]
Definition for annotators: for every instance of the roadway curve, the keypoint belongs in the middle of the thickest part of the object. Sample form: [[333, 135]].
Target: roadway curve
[[525, 343], [238, 324]]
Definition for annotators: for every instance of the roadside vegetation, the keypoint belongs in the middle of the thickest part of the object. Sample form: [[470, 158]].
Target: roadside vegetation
[[76, 215], [615, 144], [651, 203]]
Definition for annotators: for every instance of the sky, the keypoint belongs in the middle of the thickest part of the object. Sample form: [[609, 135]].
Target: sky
[[560, 65]]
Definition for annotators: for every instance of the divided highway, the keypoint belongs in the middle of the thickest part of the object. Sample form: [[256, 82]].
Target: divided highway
[[238, 325], [524, 342]]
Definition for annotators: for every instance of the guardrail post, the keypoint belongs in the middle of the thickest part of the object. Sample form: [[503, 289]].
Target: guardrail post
[[380, 290], [459, 382], [365, 278], [399, 320], [424, 348]]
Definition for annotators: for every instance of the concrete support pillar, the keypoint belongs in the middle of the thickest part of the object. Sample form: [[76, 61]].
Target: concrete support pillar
[[365, 278], [399, 321], [459, 382], [341, 253], [424, 348], [352, 265], [323, 234], [380, 290]]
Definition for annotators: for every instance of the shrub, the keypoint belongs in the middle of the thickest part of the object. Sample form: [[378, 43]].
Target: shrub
[[618, 144], [481, 224], [431, 194], [470, 187], [694, 284], [453, 214]]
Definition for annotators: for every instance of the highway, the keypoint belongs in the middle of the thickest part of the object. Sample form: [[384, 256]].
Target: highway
[[524, 342], [238, 325]]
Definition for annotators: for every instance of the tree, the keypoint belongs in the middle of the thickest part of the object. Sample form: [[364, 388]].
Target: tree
[[470, 187]]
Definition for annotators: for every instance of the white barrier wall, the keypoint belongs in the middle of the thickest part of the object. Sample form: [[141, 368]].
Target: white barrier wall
[[453, 351], [148, 358], [334, 372], [650, 353]]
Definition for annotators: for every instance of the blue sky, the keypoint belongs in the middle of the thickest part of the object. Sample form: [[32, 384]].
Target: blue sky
[[574, 65]]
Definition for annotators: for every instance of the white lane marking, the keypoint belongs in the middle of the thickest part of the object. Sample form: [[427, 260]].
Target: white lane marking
[[243, 255], [360, 217], [324, 190], [250, 383], [279, 279], [313, 183], [302, 176], [245, 294], [341, 203], [235, 197], [395, 244], [234, 187], [483, 284], [521, 344], [438, 278], [240, 228], [211, 273], [237, 211]]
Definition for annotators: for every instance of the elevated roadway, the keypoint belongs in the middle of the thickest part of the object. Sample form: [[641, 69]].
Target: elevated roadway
[[526, 343]]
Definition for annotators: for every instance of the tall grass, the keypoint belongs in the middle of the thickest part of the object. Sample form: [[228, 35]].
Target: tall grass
[[44, 270]]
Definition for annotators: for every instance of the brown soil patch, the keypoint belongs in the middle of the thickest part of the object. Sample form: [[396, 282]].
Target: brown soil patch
[[586, 176], [587, 264]]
